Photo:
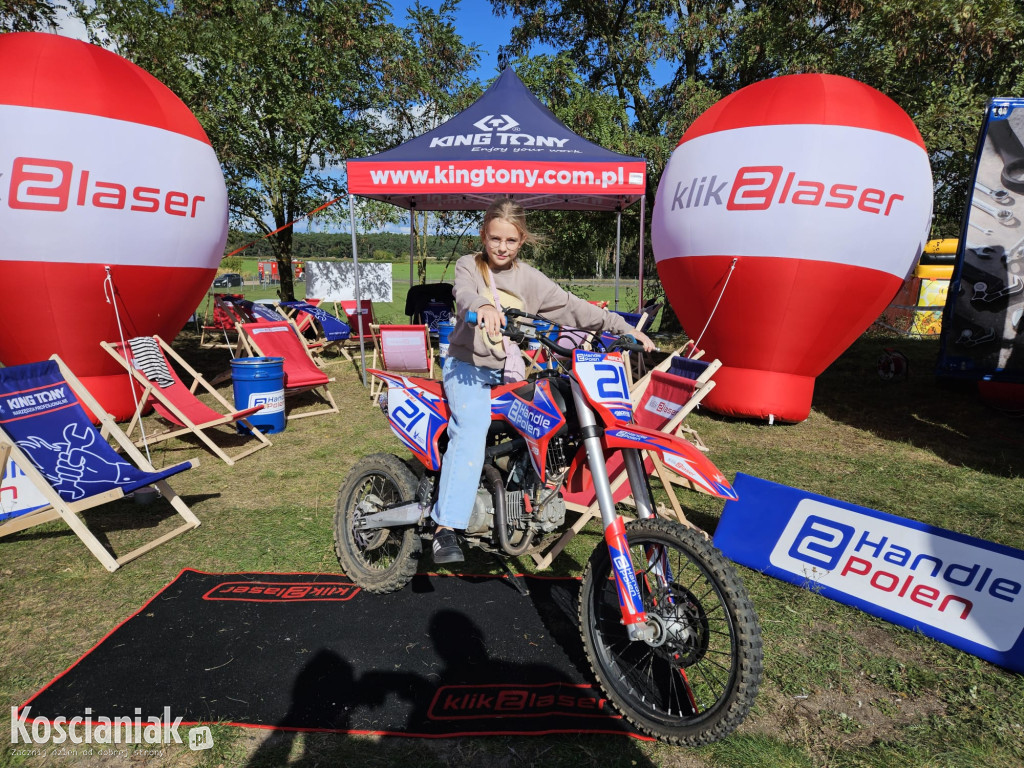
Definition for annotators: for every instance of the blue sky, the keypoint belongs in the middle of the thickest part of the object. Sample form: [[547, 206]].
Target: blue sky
[[477, 25]]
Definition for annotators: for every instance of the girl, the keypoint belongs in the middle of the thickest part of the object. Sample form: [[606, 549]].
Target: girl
[[485, 282]]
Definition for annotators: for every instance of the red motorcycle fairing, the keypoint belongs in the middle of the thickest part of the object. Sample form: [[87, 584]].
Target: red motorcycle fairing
[[418, 414], [677, 454], [534, 412]]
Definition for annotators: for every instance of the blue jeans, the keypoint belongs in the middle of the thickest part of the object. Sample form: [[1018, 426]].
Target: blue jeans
[[468, 389]]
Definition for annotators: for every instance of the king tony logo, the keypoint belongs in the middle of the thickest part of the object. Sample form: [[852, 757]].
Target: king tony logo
[[496, 132], [496, 123]]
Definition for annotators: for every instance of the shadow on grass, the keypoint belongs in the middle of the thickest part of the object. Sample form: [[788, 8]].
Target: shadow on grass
[[940, 415]]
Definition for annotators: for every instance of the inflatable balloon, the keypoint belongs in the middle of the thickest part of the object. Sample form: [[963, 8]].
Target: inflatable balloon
[[797, 205], [108, 188]]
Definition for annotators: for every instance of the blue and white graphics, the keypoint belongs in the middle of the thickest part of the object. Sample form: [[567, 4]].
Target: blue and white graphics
[[928, 576]]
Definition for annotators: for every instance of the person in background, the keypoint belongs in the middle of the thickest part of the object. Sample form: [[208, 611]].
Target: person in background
[[479, 357]]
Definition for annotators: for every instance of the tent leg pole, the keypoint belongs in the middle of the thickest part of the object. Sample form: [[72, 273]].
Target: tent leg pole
[[618, 239], [355, 269], [643, 227]]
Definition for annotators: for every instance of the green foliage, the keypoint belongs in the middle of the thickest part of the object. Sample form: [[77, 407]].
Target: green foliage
[[27, 16], [287, 90], [938, 59], [379, 246]]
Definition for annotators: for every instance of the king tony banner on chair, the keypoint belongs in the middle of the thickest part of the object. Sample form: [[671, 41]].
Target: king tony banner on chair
[[983, 325], [960, 590]]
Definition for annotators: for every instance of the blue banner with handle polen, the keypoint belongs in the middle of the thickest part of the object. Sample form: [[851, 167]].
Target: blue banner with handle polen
[[960, 590]]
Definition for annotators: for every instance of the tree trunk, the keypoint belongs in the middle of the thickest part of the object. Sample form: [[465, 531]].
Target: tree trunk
[[283, 248]]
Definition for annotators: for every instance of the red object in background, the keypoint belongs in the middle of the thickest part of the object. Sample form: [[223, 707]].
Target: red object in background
[[808, 199], [1005, 396], [103, 171]]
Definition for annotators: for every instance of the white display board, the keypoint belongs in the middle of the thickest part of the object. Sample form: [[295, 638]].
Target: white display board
[[336, 281]]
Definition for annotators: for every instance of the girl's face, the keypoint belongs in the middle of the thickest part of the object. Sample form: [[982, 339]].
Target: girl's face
[[502, 241]]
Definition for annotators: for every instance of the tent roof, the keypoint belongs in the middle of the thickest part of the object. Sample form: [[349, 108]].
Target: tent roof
[[505, 143]]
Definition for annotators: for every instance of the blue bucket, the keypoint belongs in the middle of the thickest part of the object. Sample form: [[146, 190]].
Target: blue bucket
[[260, 381], [444, 332]]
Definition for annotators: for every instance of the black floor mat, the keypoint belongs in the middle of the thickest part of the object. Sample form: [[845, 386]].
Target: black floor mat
[[445, 656]]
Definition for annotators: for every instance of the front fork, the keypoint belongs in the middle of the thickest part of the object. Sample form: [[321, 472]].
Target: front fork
[[630, 600]]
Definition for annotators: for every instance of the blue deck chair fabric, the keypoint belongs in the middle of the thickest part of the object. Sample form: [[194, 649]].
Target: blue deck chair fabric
[[687, 367], [44, 426], [333, 328], [40, 411], [261, 312]]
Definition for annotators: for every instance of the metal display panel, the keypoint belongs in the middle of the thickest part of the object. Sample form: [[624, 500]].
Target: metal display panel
[[983, 322]]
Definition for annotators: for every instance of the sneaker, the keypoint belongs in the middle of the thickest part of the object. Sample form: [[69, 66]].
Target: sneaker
[[446, 547]]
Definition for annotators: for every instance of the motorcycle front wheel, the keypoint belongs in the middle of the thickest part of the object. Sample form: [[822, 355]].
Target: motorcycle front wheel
[[383, 559], [695, 680]]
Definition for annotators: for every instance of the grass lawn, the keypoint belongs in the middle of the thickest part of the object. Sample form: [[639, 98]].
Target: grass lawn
[[840, 688]]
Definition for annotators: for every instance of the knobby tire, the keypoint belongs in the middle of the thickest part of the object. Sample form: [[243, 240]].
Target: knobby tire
[[382, 560], [700, 682]]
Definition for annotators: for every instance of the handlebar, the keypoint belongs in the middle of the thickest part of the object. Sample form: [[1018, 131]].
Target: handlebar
[[518, 333]]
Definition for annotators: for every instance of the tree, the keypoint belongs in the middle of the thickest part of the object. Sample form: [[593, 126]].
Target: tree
[[431, 85], [285, 89], [938, 59], [28, 15]]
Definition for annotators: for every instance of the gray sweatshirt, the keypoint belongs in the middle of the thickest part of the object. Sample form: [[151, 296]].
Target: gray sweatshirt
[[522, 287]]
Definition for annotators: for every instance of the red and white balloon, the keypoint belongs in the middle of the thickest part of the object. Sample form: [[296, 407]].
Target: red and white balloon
[[102, 168], [800, 203]]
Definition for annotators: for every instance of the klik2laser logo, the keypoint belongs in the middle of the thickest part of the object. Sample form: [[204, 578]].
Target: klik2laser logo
[[927, 575]]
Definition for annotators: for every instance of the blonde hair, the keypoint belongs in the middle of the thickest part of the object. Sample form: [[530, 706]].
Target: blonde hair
[[506, 209]]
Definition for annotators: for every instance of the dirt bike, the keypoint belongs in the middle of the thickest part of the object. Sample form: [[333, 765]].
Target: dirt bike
[[666, 622]]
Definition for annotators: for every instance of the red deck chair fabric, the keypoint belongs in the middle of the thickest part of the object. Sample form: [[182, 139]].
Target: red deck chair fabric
[[146, 359], [359, 320], [401, 348], [225, 321], [301, 373]]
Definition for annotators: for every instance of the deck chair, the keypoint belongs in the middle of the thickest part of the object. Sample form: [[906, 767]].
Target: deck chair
[[45, 428], [359, 318], [225, 321], [302, 321], [146, 359], [258, 312], [642, 320], [324, 330], [403, 349], [661, 402], [301, 374]]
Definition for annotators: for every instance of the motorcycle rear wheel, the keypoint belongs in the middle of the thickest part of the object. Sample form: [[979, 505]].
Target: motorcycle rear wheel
[[695, 682], [384, 559]]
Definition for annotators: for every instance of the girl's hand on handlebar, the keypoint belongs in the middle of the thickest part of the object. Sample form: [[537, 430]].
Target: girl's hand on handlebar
[[641, 338], [491, 320]]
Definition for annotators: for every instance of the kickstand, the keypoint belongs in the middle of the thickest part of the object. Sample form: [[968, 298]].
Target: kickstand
[[510, 576]]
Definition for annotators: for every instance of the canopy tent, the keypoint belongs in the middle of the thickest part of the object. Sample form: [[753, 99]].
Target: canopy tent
[[507, 143]]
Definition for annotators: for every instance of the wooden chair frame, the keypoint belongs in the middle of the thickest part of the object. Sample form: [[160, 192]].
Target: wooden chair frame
[[58, 508], [186, 425]]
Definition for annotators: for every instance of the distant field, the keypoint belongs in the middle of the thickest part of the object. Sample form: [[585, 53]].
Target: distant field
[[394, 312]]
